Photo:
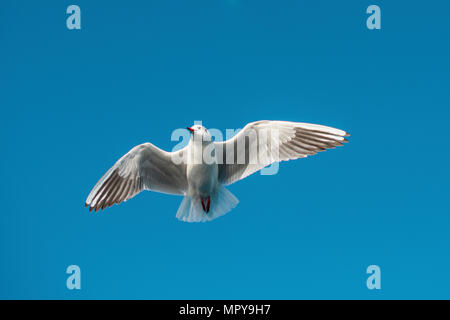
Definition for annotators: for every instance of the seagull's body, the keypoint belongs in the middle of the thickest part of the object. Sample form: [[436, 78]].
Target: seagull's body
[[202, 179]]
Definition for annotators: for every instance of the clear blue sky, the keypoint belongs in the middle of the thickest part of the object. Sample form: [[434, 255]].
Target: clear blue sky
[[73, 102]]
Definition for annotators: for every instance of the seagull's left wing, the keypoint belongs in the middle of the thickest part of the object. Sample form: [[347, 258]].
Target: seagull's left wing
[[262, 143], [145, 167]]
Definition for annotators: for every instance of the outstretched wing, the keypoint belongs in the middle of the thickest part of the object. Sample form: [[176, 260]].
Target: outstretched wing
[[145, 167], [262, 143]]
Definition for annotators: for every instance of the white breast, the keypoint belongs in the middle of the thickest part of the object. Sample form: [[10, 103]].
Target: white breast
[[202, 169]]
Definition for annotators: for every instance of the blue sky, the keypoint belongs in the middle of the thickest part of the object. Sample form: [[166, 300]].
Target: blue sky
[[73, 102]]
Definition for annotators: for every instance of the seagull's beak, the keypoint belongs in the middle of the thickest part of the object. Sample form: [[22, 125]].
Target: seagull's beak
[[190, 129]]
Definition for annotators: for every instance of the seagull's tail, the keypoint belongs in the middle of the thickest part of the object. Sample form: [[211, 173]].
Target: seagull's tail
[[191, 209]]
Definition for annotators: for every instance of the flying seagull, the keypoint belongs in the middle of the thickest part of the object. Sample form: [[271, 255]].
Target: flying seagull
[[200, 170]]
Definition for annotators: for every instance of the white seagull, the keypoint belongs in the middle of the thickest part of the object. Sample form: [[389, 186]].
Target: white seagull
[[201, 181]]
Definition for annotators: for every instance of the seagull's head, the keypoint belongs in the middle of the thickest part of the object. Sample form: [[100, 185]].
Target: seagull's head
[[199, 131]]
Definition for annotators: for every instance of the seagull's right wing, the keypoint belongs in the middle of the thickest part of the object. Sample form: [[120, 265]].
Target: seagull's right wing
[[145, 167]]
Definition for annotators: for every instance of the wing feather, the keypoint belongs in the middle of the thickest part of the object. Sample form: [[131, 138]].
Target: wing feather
[[292, 140], [145, 167]]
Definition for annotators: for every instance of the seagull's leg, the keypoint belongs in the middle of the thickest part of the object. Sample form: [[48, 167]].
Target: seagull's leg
[[203, 204], [206, 202]]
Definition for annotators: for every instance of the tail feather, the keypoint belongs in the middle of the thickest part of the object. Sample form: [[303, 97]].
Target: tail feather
[[191, 209]]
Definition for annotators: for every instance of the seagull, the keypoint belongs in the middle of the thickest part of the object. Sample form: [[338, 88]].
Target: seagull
[[201, 170]]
